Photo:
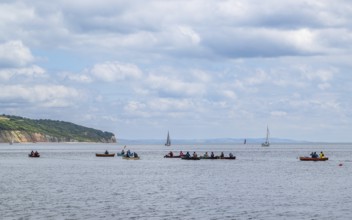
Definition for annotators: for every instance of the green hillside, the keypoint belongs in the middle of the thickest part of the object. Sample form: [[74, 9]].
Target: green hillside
[[49, 130]]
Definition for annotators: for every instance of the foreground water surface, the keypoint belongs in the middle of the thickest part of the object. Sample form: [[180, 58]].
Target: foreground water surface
[[69, 182]]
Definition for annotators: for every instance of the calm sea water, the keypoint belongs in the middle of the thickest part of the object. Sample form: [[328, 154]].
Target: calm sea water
[[69, 182]]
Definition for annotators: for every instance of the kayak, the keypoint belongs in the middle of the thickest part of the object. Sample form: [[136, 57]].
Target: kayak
[[29, 155], [313, 159], [167, 156], [105, 155], [131, 158], [190, 158], [120, 154]]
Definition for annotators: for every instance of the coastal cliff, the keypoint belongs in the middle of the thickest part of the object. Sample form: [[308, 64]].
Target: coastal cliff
[[17, 129]]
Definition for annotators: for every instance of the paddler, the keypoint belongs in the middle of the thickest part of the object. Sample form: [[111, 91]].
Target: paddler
[[321, 155]]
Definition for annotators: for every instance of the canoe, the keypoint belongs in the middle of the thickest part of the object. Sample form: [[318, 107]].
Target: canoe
[[190, 158], [120, 154], [33, 155], [228, 158], [105, 155], [313, 159], [209, 158], [167, 156], [131, 158]]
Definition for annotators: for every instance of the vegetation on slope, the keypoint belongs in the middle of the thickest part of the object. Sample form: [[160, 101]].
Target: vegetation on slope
[[60, 130]]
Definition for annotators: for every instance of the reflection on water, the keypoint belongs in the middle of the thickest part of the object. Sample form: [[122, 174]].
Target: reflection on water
[[69, 182]]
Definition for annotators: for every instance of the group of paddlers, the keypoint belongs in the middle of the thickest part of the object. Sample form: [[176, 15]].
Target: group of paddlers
[[34, 154], [315, 155], [195, 155], [128, 153]]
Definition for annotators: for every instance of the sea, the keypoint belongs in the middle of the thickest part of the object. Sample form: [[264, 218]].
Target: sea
[[69, 182]]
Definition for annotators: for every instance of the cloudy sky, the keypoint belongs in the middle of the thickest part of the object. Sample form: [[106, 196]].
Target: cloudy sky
[[201, 69]]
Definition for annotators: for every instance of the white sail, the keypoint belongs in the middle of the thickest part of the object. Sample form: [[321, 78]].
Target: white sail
[[266, 143], [168, 141]]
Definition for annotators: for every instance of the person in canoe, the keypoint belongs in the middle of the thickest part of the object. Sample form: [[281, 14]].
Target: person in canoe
[[206, 155], [36, 154], [188, 155], [231, 155], [321, 155], [128, 154], [222, 155], [170, 154], [212, 154], [106, 152], [181, 154], [123, 152], [195, 155], [314, 155], [32, 153], [135, 154]]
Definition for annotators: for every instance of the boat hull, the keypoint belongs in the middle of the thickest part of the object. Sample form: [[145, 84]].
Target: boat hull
[[210, 158], [167, 156], [313, 159], [217, 158], [105, 155], [33, 155], [119, 154], [131, 158], [190, 158], [228, 158]]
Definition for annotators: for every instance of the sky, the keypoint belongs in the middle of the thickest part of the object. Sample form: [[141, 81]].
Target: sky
[[199, 69]]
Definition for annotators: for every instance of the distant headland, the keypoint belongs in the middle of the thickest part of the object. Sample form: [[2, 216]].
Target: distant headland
[[15, 129]]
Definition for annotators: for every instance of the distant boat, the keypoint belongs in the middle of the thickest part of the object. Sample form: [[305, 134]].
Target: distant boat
[[168, 141], [11, 142], [266, 143], [245, 141]]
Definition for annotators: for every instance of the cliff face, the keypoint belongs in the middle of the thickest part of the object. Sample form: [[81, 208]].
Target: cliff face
[[23, 136]]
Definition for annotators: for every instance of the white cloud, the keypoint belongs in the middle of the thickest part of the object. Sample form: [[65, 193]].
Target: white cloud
[[202, 76], [322, 75], [278, 113], [15, 54], [169, 104], [189, 34], [229, 94], [40, 95], [324, 86], [174, 87], [28, 72], [116, 71], [81, 78]]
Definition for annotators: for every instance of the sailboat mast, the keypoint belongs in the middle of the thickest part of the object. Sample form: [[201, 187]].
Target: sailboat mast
[[168, 141], [267, 134]]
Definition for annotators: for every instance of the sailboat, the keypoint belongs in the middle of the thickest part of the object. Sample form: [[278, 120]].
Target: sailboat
[[245, 141], [266, 143], [168, 141]]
